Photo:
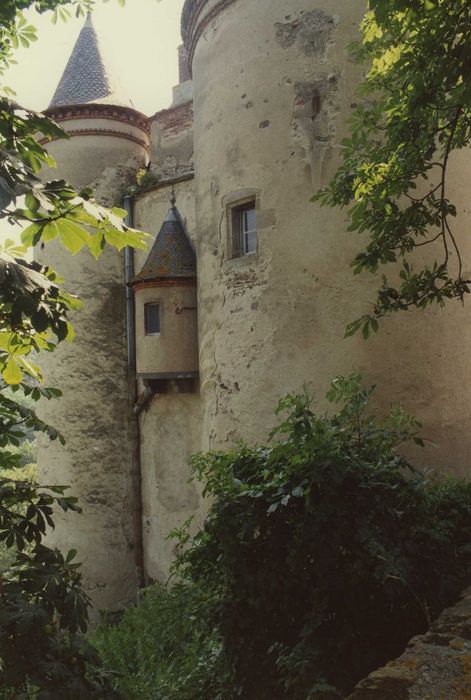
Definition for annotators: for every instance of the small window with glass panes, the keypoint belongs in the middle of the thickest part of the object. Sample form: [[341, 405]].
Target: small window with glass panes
[[244, 231], [152, 318]]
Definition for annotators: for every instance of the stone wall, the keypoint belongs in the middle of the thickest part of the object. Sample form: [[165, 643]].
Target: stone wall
[[274, 86], [435, 666], [170, 424], [172, 141], [93, 412]]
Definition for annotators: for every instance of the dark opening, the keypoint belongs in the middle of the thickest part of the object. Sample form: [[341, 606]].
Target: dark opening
[[152, 318]]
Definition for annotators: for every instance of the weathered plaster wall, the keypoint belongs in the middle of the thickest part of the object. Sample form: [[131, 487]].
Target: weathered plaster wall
[[170, 430], [273, 87], [93, 412], [172, 140], [171, 422], [175, 348], [435, 666], [97, 144]]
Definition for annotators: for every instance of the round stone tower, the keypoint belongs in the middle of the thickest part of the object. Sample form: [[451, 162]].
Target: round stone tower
[[108, 141], [273, 88], [105, 131]]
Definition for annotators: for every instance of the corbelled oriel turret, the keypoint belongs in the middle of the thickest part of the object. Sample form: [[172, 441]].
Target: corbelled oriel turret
[[165, 294]]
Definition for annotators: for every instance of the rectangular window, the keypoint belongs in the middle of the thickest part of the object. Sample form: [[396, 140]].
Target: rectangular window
[[244, 229], [152, 319]]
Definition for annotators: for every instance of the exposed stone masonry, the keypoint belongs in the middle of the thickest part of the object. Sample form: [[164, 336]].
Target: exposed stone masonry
[[435, 666]]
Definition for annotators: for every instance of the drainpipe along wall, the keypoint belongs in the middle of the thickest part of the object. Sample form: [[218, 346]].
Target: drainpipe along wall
[[136, 470]]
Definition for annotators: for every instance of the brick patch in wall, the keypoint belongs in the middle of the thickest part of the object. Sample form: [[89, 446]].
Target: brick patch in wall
[[175, 120]]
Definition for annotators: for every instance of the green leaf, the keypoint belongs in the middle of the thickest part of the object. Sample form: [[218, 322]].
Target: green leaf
[[96, 244], [50, 231], [12, 373], [70, 332], [71, 554], [115, 238], [50, 161], [72, 235], [120, 213], [31, 202], [136, 239], [6, 339], [31, 368], [31, 235]]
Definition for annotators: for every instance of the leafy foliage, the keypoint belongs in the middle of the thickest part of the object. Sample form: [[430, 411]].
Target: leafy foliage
[[42, 606], [43, 609], [329, 550], [416, 109], [168, 648], [51, 210], [26, 472], [15, 31]]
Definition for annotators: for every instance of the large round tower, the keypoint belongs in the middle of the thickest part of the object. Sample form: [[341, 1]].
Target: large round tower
[[273, 88], [108, 141]]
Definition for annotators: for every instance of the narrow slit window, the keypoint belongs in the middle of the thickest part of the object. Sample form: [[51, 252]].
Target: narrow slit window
[[244, 229], [152, 319]]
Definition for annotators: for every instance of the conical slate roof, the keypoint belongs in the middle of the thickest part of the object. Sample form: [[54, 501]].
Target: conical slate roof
[[172, 255], [86, 78]]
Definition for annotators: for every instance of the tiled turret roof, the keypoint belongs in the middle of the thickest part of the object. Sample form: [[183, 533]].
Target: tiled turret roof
[[172, 255], [86, 78]]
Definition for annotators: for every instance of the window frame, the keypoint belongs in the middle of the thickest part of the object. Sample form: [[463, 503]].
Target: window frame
[[148, 304], [238, 235]]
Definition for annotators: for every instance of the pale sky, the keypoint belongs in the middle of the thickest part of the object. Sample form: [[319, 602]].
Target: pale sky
[[140, 42]]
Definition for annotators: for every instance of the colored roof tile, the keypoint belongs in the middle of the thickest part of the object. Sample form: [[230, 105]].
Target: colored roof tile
[[86, 78], [172, 255]]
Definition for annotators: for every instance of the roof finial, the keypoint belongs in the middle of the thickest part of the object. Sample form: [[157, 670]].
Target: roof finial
[[172, 212], [89, 20]]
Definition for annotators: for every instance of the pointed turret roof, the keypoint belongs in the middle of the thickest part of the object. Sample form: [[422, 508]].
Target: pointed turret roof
[[172, 255], [86, 78]]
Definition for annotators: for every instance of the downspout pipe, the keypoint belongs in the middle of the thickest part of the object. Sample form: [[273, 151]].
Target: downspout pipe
[[134, 429]]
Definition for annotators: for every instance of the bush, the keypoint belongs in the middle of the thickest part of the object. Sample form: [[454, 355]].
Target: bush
[[329, 552], [26, 473], [332, 549], [23, 461], [43, 609], [167, 648]]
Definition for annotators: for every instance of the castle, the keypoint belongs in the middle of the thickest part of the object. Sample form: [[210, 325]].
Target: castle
[[245, 291]]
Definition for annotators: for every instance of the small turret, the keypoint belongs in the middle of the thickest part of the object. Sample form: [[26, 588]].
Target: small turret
[[166, 310]]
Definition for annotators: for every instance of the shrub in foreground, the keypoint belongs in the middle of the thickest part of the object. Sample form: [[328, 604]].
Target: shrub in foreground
[[43, 608], [329, 552], [167, 647]]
